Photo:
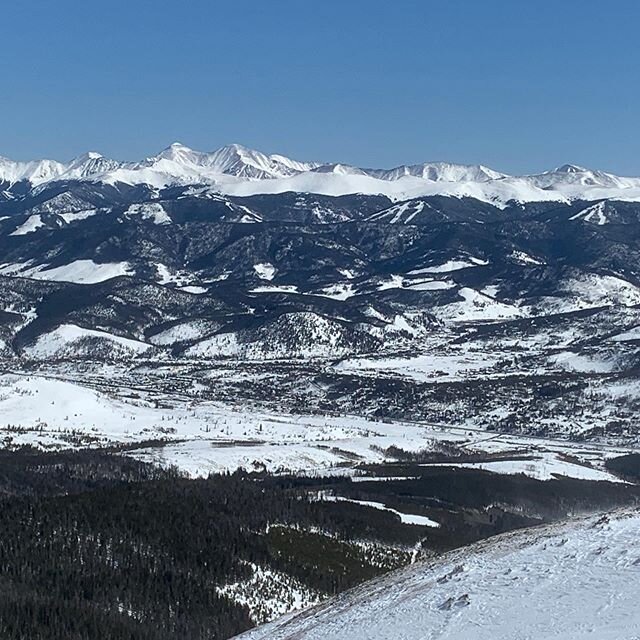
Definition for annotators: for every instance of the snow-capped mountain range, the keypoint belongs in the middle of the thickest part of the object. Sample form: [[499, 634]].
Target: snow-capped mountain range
[[240, 171], [165, 259]]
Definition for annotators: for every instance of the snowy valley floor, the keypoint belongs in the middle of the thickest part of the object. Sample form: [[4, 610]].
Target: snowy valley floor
[[54, 410]]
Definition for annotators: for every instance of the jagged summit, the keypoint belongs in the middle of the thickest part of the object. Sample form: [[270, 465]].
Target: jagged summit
[[234, 160], [35, 171], [89, 165], [235, 169], [441, 172]]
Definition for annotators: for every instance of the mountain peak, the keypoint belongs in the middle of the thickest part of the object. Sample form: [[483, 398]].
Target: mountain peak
[[179, 153], [236, 168], [85, 157], [235, 146], [88, 165], [570, 168], [177, 146]]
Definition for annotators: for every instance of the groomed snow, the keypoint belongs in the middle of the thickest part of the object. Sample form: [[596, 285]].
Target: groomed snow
[[542, 467], [594, 213], [285, 288]]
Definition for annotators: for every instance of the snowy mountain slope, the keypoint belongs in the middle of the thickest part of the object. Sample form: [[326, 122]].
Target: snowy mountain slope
[[78, 271], [238, 170], [71, 340], [296, 335], [573, 175], [439, 172], [562, 582], [87, 165], [35, 172], [181, 165]]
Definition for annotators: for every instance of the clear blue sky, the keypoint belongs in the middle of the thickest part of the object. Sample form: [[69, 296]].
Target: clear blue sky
[[519, 85]]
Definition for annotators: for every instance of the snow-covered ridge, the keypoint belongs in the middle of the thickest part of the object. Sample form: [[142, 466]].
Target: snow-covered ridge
[[238, 170], [36, 171], [563, 582]]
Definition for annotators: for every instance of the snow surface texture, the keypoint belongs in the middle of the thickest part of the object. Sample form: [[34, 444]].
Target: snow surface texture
[[238, 170], [574, 581]]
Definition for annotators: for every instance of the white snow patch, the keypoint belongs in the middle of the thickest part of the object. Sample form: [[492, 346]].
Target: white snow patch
[[477, 306], [32, 223], [265, 270], [405, 518], [284, 288], [285, 594], [588, 214], [183, 332], [153, 211], [632, 334], [582, 363], [80, 271], [546, 466], [393, 282], [194, 289], [592, 290], [429, 285], [429, 367], [451, 265], [79, 215], [525, 258], [340, 291]]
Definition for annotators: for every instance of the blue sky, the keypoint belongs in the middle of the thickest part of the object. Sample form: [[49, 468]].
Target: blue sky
[[519, 86]]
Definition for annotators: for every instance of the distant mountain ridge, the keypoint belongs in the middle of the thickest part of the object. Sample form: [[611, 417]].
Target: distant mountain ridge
[[241, 171]]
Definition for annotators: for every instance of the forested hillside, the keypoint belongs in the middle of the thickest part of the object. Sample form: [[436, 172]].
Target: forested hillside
[[95, 545]]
